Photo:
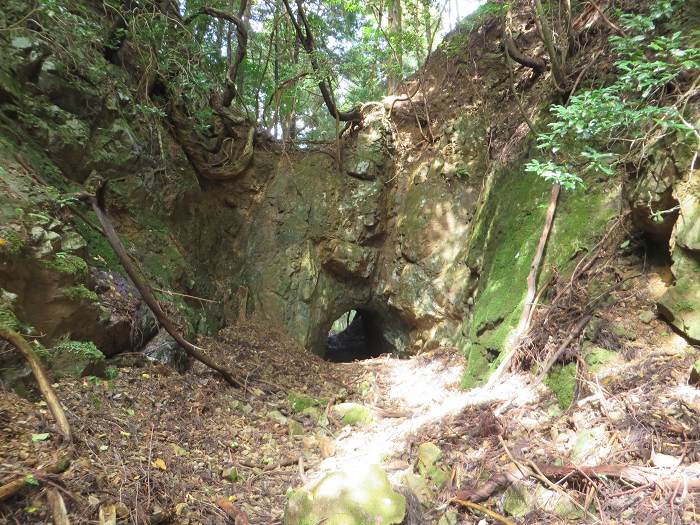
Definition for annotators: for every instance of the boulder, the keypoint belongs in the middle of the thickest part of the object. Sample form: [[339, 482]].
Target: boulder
[[165, 350], [347, 498]]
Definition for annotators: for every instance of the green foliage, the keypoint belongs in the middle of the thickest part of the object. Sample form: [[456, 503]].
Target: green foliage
[[601, 128], [11, 242], [82, 349]]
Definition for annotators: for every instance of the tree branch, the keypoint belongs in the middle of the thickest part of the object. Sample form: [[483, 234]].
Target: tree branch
[[306, 39], [45, 388], [230, 91], [98, 206]]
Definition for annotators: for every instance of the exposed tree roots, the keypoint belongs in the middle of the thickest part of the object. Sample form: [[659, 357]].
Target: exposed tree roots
[[19, 484]]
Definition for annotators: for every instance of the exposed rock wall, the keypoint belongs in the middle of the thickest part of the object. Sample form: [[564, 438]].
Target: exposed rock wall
[[435, 241]]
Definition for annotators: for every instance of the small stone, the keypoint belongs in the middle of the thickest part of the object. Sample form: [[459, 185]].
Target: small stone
[[295, 428], [647, 316], [72, 242], [516, 501], [624, 332], [37, 234], [277, 417], [428, 455], [230, 474], [313, 413], [353, 413], [449, 518], [22, 42], [357, 497]]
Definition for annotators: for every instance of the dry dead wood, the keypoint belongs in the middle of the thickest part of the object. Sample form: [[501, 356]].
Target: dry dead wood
[[57, 506], [19, 483], [562, 347], [20, 343], [98, 206], [480, 508], [630, 473]]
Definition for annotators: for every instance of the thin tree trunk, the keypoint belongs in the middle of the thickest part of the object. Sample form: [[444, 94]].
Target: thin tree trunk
[[394, 30], [548, 39]]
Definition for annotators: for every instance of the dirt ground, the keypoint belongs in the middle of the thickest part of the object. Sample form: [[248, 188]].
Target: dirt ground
[[155, 446]]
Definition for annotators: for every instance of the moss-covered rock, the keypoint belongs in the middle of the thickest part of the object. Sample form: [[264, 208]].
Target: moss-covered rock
[[504, 237], [354, 414], [299, 402], [598, 358], [361, 497], [80, 293]]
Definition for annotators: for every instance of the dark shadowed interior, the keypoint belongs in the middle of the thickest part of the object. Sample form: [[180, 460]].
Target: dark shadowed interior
[[361, 338]]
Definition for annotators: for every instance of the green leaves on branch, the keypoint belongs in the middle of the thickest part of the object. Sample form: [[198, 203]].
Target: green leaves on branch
[[554, 173], [599, 128]]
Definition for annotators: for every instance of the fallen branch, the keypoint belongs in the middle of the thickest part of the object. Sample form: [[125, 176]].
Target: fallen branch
[[475, 506], [98, 207], [14, 487], [523, 324], [562, 347], [58, 507], [631, 473], [42, 382], [495, 484]]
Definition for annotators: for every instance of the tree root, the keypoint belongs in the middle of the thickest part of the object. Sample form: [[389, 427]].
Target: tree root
[[98, 206], [42, 382]]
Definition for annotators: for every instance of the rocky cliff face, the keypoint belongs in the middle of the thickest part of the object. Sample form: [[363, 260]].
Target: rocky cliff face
[[434, 242]]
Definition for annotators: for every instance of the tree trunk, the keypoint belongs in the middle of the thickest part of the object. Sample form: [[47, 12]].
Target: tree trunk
[[394, 23]]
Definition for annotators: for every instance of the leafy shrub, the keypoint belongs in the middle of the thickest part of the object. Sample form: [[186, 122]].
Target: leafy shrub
[[590, 132]]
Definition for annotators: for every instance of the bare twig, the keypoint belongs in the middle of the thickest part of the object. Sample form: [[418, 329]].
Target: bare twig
[[484, 510], [562, 347]]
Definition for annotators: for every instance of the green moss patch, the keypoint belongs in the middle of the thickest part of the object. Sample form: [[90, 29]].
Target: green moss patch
[[504, 238], [71, 358], [80, 293], [68, 263], [300, 402], [562, 381]]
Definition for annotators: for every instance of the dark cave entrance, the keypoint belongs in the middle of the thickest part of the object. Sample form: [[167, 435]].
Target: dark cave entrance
[[356, 335]]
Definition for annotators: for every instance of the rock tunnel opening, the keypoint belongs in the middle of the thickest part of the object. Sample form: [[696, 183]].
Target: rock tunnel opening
[[356, 335]]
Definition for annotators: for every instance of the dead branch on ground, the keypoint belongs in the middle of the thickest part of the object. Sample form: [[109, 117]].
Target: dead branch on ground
[[19, 483], [42, 382]]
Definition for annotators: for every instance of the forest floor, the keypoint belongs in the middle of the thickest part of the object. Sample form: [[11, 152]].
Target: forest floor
[[154, 446]]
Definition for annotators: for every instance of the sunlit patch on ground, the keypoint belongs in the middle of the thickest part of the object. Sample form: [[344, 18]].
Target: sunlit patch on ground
[[427, 391]]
